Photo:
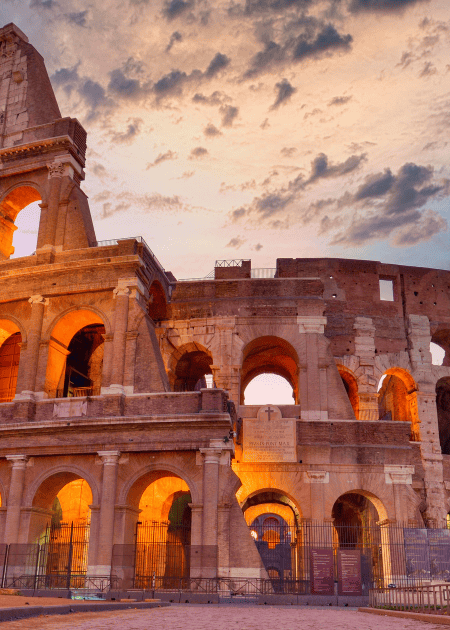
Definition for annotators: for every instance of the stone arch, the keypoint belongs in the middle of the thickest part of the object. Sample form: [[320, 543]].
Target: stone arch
[[443, 413], [75, 352], [157, 304], [269, 354], [271, 495], [396, 397], [11, 339], [151, 472], [188, 365], [374, 499], [42, 499], [351, 387], [15, 199]]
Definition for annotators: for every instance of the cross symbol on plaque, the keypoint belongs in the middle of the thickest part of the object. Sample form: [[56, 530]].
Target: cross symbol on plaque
[[268, 411]]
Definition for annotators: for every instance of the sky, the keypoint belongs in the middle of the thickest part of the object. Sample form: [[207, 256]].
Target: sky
[[262, 129]]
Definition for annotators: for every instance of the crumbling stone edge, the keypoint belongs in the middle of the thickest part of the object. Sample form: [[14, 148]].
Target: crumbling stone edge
[[438, 619]]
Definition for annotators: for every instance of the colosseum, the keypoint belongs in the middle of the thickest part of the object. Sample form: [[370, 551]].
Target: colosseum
[[127, 452]]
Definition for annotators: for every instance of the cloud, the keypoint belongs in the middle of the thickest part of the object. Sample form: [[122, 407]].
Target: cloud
[[284, 92], [431, 223], [141, 203], [64, 76], [327, 40], [95, 97], [170, 84], [236, 242], [79, 19], [125, 87], [288, 151], [382, 6], [175, 8], [320, 167], [229, 113], [258, 247], [216, 98], [339, 100], [219, 62], [162, 157], [211, 131], [99, 171], [126, 137], [428, 70], [43, 4], [198, 152], [186, 175], [175, 37]]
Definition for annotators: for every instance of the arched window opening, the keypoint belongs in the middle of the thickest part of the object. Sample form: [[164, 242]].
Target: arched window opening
[[157, 306], [393, 403], [75, 356], [440, 347], [60, 523], [21, 228], [351, 387], [163, 532], [26, 235], [191, 371], [354, 517], [269, 389], [443, 413], [270, 355], [274, 524], [85, 362], [9, 366]]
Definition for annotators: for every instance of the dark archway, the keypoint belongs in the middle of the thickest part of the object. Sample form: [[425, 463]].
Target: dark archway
[[443, 413]]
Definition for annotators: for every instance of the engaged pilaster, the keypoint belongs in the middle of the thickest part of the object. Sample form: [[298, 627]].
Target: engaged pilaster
[[312, 375], [110, 461], [38, 303], [16, 486]]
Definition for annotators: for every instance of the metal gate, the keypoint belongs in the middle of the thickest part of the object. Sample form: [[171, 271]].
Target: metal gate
[[162, 554]]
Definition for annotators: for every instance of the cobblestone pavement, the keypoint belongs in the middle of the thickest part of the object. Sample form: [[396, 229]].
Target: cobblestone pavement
[[223, 617]]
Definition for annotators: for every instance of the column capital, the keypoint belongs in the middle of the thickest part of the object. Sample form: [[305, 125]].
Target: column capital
[[18, 461], [55, 169], [119, 291], [38, 299], [109, 458], [211, 455], [311, 324], [131, 286]]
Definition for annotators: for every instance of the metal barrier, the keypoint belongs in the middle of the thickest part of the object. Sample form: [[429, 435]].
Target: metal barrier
[[432, 598]]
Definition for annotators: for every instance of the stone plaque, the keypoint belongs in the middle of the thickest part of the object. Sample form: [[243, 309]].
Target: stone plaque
[[321, 572], [349, 572], [269, 437]]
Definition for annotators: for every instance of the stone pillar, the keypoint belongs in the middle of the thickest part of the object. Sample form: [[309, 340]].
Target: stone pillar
[[317, 479], [130, 361], [31, 358], [42, 225], [367, 383], [16, 486], [196, 540], [122, 297], [55, 174], [312, 375], [107, 360], [110, 461], [223, 522]]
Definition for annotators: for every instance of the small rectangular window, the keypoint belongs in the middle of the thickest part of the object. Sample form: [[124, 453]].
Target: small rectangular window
[[387, 290]]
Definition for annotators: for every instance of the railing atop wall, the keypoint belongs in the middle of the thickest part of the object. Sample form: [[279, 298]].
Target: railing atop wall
[[139, 239], [75, 392]]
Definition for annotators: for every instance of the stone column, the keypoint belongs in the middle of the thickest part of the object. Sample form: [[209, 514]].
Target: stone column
[[312, 376], [196, 540], [122, 297], [110, 461], [16, 486], [55, 174], [211, 458], [107, 360], [367, 383], [31, 358]]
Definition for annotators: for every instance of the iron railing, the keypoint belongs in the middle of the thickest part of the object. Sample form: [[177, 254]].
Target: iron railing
[[139, 239], [431, 598]]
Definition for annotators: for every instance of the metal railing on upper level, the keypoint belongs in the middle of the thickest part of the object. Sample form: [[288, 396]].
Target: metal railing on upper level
[[258, 272], [139, 239]]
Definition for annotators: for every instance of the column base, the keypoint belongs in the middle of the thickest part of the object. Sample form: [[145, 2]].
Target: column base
[[96, 570]]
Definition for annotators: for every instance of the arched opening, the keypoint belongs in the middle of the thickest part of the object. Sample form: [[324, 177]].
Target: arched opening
[[440, 347], [163, 531], [10, 340], [443, 413], [270, 355], [268, 389], [394, 395], [191, 368], [75, 359], [60, 523], [22, 198], [351, 387], [274, 522], [157, 305], [356, 517]]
